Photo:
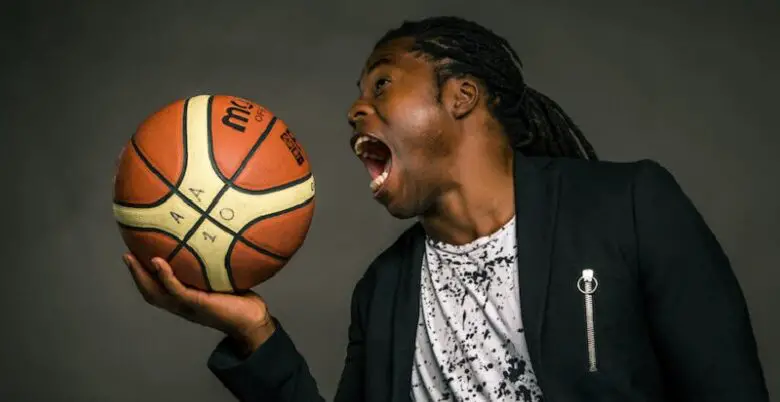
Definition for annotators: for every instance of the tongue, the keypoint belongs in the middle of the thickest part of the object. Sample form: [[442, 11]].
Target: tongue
[[375, 167]]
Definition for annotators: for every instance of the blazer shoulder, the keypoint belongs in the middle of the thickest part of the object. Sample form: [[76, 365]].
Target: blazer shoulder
[[608, 174], [609, 189], [391, 257]]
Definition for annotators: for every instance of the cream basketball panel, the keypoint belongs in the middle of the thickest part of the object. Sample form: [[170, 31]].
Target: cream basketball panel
[[173, 216], [200, 183], [211, 244], [236, 208]]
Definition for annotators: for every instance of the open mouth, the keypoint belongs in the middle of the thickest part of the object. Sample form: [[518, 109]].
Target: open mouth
[[377, 157]]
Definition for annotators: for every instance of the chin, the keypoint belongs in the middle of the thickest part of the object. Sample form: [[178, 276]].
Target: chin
[[401, 214], [400, 210]]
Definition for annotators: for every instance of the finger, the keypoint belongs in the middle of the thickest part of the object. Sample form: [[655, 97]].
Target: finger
[[172, 284], [148, 268], [147, 285]]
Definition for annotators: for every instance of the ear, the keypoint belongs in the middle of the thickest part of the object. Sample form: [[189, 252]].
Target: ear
[[461, 96]]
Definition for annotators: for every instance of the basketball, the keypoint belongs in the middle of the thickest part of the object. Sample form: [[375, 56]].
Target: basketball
[[219, 187]]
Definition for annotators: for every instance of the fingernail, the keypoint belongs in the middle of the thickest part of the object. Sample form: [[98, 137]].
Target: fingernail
[[126, 260]]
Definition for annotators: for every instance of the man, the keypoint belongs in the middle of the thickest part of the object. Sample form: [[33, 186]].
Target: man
[[534, 273]]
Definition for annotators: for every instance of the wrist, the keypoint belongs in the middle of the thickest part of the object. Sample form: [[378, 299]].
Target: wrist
[[254, 336]]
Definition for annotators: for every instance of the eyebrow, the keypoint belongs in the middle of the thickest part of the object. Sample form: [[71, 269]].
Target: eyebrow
[[378, 62]]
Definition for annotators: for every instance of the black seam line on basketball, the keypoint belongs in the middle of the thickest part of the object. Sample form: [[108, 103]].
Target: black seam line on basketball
[[238, 236], [154, 171], [232, 185], [272, 189], [210, 146], [210, 141], [275, 214], [243, 239], [209, 218], [146, 229], [172, 237], [225, 187], [228, 267], [204, 215], [257, 248], [215, 201], [254, 149], [184, 142], [172, 189], [236, 240], [221, 225], [202, 266]]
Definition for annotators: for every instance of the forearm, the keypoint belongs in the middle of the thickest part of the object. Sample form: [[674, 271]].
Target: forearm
[[274, 371]]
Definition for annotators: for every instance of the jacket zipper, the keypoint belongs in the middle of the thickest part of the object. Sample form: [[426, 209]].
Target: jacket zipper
[[587, 285]]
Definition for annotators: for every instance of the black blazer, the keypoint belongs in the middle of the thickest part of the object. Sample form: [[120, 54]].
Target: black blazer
[[669, 321]]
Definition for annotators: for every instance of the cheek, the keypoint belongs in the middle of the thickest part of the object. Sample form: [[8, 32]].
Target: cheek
[[418, 119], [412, 110], [419, 128]]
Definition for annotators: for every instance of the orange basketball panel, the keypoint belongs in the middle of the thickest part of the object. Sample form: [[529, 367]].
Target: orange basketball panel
[[248, 267], [281, 234], [147, 244], [279, 160], [189, 269], [134, 183], [161, 140], [236, 126]]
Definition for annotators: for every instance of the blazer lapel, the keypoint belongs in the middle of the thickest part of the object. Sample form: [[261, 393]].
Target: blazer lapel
[[536, 198], [406, 314]]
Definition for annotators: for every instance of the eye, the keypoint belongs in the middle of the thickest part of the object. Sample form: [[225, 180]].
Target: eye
[[380, 85]]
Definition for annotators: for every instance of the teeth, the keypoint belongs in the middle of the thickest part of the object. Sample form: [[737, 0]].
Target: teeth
[[379, 180], [359, 143]]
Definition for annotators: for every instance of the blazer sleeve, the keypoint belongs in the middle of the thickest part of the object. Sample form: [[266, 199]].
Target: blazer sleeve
[[698, 315], [351, 386], [277, 372]]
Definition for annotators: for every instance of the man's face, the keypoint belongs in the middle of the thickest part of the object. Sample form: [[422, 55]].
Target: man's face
[[402, 133]]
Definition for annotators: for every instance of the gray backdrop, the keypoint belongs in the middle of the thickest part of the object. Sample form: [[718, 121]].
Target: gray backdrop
[[690, 83]]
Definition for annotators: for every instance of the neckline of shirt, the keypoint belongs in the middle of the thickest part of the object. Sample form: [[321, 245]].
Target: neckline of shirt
[[472, 245]]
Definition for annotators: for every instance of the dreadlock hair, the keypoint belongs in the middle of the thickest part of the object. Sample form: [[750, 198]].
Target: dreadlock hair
[[535, 124]]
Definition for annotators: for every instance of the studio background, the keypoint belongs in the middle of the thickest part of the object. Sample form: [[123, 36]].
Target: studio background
[[691, 84]]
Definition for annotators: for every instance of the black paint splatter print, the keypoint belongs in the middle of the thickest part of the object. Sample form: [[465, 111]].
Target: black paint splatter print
[[470, 341]]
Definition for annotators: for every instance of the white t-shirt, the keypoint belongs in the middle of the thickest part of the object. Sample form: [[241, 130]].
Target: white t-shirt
[[470, 344]]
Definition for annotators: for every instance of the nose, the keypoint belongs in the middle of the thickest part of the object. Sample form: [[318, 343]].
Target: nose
[[359, 110]]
